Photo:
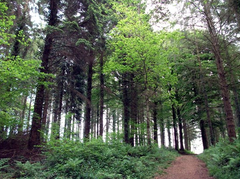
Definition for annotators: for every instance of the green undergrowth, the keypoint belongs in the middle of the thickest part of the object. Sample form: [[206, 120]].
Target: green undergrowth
[[223, 160], [94, 160]]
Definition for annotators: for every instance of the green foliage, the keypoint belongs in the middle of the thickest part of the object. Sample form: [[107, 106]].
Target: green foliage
[[223, 160], [96, 159], [17, 75], [5, 23], [27, 169], [17, 78], [3, 163], [5, 170]]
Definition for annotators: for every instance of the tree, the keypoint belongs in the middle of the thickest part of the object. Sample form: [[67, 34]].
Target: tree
[[18, 75], [142, 55], [221, 72], [35, 133]]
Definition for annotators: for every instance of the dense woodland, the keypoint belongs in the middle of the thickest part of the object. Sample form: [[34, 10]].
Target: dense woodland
[[129, 71]]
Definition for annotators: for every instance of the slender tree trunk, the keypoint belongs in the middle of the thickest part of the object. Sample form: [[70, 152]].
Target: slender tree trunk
[[155, 127], [175, 127], [114, 117], [162, 127], [35, 134], [210, 126], [126, 107], [169, 134], [107, 123], [45, 111], [148, 121], [204, 134], [180, 129], [222, 127], [29, 113], [89, 99], [186, 138], [221, 73], [20, 126], [134, 109], [101, 94]]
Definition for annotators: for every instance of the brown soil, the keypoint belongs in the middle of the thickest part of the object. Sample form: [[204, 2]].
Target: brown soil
[[186, 167]]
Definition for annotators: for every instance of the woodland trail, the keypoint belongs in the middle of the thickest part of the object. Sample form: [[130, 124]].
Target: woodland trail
[[186, 167]]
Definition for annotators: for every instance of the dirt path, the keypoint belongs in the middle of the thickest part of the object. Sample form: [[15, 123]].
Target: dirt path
[[186, 167]]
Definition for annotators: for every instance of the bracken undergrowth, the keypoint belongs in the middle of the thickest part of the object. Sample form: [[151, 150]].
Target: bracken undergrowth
[[93, 160]]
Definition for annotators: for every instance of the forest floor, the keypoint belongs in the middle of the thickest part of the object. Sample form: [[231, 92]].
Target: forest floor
[[186, 167]]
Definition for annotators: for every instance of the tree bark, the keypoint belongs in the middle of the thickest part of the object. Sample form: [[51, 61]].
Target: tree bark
[[87, 123], [162, 128], [169, 134], [175, 127], [221, 73], [126, 107], [180, 129], [155, 127], [35, 135], [204, 134], [133, 110], [101, 94], [186, 137]]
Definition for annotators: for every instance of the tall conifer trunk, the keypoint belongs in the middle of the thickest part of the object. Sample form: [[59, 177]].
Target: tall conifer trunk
[[180, 129], [175, 127], [89, 98], [126, 107], [35, 138], [204, 134], [155, 127], [101, 94], [221, 72]]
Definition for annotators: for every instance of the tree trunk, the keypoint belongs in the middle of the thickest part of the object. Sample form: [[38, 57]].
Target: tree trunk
[[107, 123], [29, 113], [45, 110], [175, 127], [155, 127], [133, 111], [180, 129], [101, 94], [169, 134], [126, 106], [114, 117], [57, 108], [211, 130], [162, 128], [89, 99], [148, 124], [35, 134], [204, 134], [186, 138], [221, 73], [20, 126]]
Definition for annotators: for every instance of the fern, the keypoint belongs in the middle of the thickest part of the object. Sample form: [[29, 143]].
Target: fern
[[3, 163]]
